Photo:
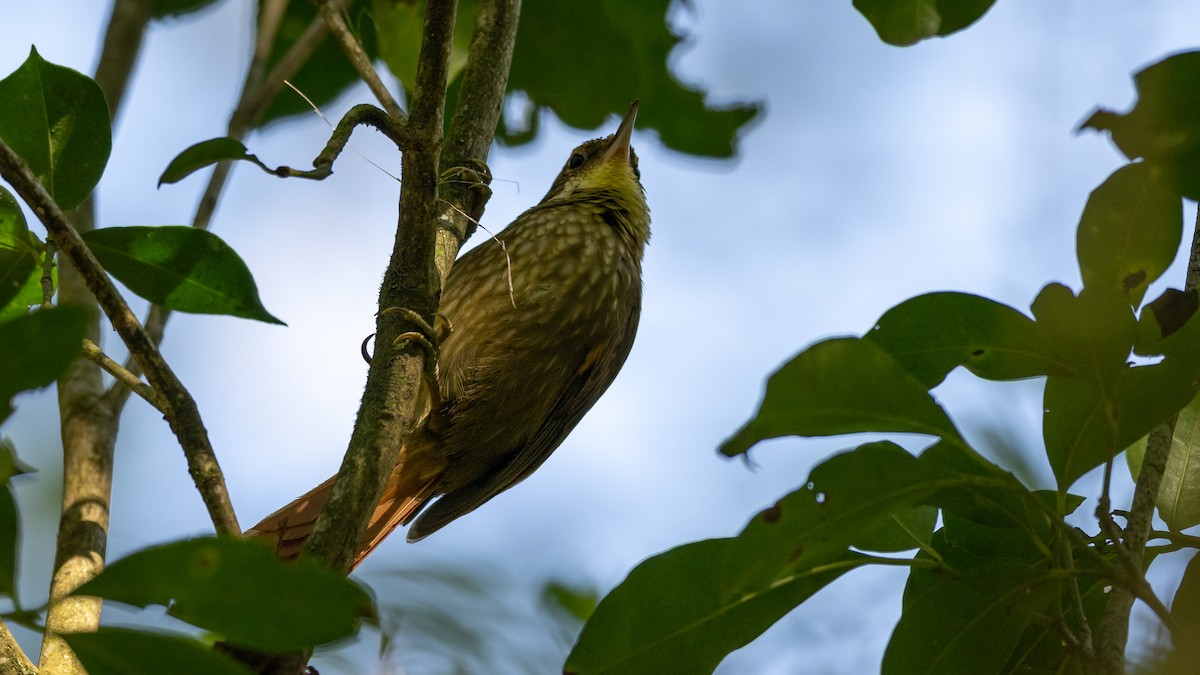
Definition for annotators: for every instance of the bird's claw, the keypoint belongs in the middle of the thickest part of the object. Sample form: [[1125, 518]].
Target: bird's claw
[[429, 340]]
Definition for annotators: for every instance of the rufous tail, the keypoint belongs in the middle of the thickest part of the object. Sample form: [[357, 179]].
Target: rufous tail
[[289, 527]]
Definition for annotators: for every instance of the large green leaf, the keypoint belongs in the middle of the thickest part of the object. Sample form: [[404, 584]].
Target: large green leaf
[[1164, 125], [399, 28], [842, 386], [684, 610], [181, 268], [36, 348], [18, 260], [123, 651], [1179, 496], [1130, 231], [324, 76], [1185, 609], [587, 61], [971, 623], [905, 23], [1086, 422], [981, 610], [930, 335], [239, 590], [56, 119], [1091, 334]]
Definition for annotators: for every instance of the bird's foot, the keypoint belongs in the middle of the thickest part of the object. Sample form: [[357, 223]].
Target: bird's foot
[[428, 339], [474, 178]]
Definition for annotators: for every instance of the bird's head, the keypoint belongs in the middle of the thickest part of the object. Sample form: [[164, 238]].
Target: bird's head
[[603, 166]]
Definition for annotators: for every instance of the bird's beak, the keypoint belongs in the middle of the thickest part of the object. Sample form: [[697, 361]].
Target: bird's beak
[[619, 145]]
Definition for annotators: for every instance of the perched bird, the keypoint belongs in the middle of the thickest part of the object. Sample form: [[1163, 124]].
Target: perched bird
[[538, 329]]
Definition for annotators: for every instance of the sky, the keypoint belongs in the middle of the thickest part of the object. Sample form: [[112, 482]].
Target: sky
[[874, 174]]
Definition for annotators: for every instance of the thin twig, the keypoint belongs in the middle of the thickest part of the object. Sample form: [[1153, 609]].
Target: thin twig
[[331, 11], [183, 416], [94, 354]]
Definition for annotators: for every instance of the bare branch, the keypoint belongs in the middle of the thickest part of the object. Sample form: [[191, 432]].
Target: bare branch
[[183, 416], [88, 426], [94, 354], [331, 11], [14, 661]]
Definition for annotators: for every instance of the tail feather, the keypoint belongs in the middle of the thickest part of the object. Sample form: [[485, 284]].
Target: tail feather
[[290, 527]]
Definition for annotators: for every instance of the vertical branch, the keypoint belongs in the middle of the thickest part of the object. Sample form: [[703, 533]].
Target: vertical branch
[[473, 128], [1114, 625], [88, 426], [390, 402]]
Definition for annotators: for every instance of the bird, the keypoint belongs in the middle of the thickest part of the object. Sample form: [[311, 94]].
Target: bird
[[536, 323]]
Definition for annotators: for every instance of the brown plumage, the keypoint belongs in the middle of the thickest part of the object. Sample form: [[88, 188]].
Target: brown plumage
[[519, 367]]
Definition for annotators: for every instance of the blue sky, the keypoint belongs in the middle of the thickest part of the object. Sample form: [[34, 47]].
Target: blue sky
[[874, 174]]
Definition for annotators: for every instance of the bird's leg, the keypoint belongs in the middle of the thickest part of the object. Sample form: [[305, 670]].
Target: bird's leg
[[429, 340], [476, 177]]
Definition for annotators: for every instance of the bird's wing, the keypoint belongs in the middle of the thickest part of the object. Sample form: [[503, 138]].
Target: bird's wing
[[599, 369]]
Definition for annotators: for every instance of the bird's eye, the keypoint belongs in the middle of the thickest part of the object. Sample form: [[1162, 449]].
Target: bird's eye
[[576, 161]]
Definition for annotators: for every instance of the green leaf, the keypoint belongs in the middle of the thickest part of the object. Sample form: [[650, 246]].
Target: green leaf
[[1130, 231], [181, 268], [37, 348], [968, 623], [926, 641], [842, 386], [1164, 125], [326, 74], [1090, 335], [901, 530], [930, 335], [10, 464], [399, 29], [577, 602], [123, 651], [163, 9], [239, 590], [905, 23], [1179, 496], [207, 153], [1085, 423], [1185, 609], [588, 64], [1167, 313], [10, 533], [10, 522], [57, 120], [683, 611], [18, 261]]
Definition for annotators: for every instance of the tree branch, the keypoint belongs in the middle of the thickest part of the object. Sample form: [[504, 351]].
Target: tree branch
[[331, 12], [183, 416], [1114, 625], [88, 426], [389, 405], [12, 659], [125, 378]]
